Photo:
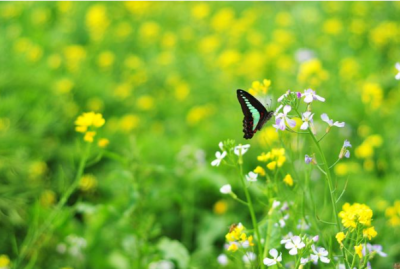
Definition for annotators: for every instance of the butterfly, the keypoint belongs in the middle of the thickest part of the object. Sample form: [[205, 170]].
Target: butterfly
[[255, 114]]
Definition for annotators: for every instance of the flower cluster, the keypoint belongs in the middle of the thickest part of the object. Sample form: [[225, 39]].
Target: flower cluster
[[258, 88], [274, 158], [237, 238], [393, 213], [355, 214], [87, 123]]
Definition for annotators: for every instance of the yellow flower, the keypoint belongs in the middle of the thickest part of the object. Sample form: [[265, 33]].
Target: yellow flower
[[198, 113], [129, 122], [89, 136], [393, 213], [250, 240], [271, 166], [358, 250], [259, 170], [370, 233], [268, 135], [103, 142], [74, 56], [372, 95], [87, 120], [354, 214], [220, 207], [47, 198], [264, 157], [105, 59], [280, 161], [4, 261], [87, 183], [97, 21], [233, 247], [340, 237], [288, 180], [332, 26], [64, 85], [145, 102], [258, 88], [311, 72], [200, 10]]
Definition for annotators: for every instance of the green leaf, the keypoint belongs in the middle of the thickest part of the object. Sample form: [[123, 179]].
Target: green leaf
[[174, 250]]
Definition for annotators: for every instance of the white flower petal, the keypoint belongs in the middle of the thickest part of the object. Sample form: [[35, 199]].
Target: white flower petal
[[319, 98], [287, 109], [339, 124], [293, 251], [274, 253], [304, 126], [314, 258], [397, 76], [398, 66], [226, 189], [325, 117], [279, 259], [291, 123], [216, 162], [269, 262], [324, 259], [221, 146], [308, 98]]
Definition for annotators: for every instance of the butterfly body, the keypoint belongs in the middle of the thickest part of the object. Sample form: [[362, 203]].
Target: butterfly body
[[255, 114]]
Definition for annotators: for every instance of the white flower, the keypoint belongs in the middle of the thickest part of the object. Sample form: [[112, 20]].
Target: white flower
[[282, 223], [344, 151], [282, 119], [163, 264], [303, 55], [377, 249], [241, 149], [251, 176], [309, 96], [306, 117], [287, 238], [221, 146], [219, 157], [304, 260], [276, 258], [294, 245], [325, 118], [226, 189], [398, 69], [283, 96], [222, 259], [249, 257], [319, 253]]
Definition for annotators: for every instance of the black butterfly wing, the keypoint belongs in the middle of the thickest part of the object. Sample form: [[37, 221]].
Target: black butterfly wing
[[255, 114]]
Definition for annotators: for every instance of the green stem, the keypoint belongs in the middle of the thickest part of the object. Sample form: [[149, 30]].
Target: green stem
[[329, 180], [266, 245], [253, 216], [46, 227]]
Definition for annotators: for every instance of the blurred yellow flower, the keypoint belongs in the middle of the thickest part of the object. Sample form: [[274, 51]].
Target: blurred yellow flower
[[340, 237], [220, 207], [358, 250], [74, 56], [37, 169], [259, 170], [129, 122], [87, 183], [95, 104], [123, 30], [168, 40], [199, 113], [228, 58], [139, 7], [288, 180], [47, 198], [89, 136], [182, 90], [40, 16], [106, 59], [272, 165], [284, 38], [122, 90], [332, 26], [349, 68], [341, 169], [258, 88], [4, 261], [209, 44], [64, 85], [370, 233], [149, 30], [103, 142], [87, 120], [145, 102], [372, 95], [384, 33], [200, 10], [10, 10], [64, 6], [272, 50], [311, 72], [233, 247], [268, 136], [393, 213], [283, 18], [366, 149], [97, 21], [223, 19]]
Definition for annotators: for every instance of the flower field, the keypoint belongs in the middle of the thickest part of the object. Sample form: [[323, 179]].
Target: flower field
[[122, 135]]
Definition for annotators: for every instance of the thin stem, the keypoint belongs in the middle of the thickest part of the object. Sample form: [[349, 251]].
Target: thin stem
[[329, 180], [251, 209], [330, 167], [266, 245], [322, 136], [47, 225]]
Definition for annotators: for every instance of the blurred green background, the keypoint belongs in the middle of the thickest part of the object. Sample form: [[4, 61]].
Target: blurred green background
[[164, 77]]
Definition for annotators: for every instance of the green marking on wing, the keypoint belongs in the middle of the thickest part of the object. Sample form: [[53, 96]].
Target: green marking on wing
[[254, 112]]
